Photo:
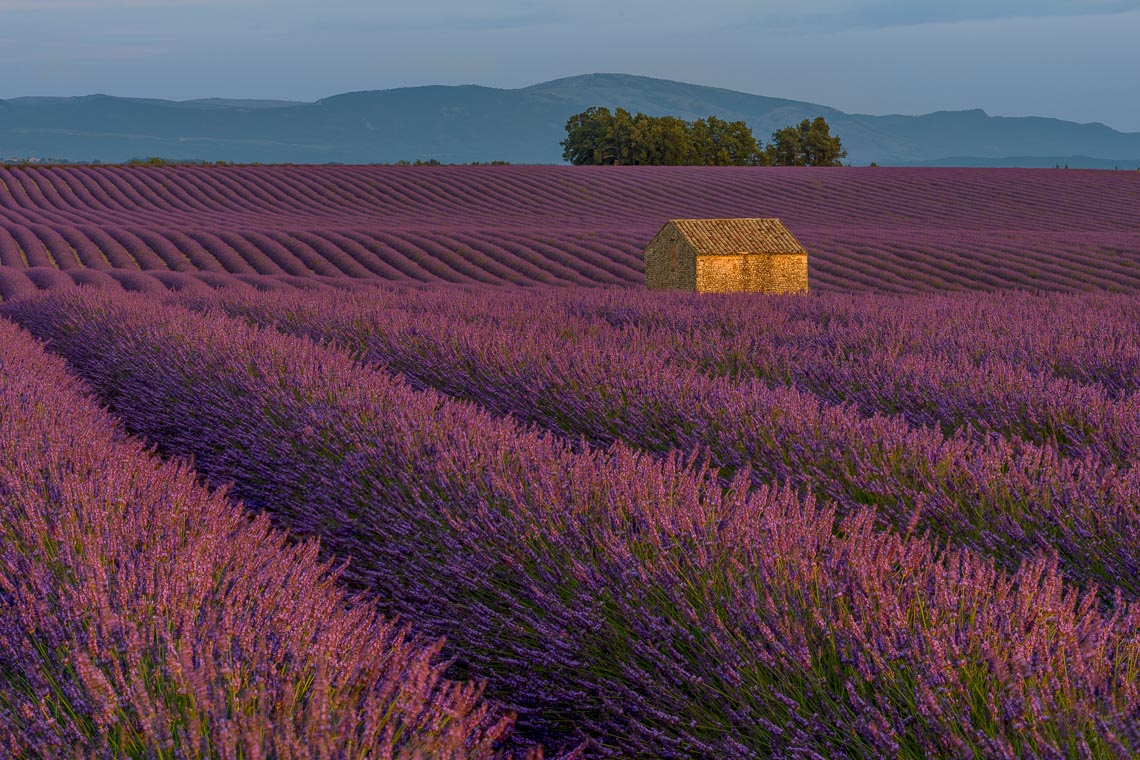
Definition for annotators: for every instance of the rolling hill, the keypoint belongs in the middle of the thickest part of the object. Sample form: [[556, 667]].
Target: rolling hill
[[469, 123], [868, 229]]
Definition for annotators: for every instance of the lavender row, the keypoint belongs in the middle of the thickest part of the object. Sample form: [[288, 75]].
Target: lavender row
[[620, 598], [886, 231], [881, 361], [20, 281], [1053, 369], [951, 200], [500, 257], [883, 364], [1088, 338], [141, 615], [1001, 496]]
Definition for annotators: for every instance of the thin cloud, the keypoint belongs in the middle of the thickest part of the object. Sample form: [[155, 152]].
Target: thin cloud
[[459, 20], [53, 5], [832, 16]]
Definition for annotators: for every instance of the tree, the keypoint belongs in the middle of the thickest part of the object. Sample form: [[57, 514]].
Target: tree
[[659, 141], [819, 146], [589, 138], [810, 143], [598, 137], [785, 149], [620, 137], [722, 143]]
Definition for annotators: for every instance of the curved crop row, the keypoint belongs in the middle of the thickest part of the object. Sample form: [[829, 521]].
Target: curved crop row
[[920, 199], [1001, 496], [143, 616], [900, 230], [1088, 338], [631, 601], [997, 365], [21, 281]]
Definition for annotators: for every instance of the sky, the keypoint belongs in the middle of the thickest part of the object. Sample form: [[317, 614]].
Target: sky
[[1071, 59]]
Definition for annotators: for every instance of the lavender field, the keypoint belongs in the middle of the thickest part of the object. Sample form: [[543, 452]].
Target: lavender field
[[869, 229], [319, 462]]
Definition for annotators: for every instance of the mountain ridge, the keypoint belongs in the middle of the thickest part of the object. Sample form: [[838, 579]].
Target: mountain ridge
[[466, 123]]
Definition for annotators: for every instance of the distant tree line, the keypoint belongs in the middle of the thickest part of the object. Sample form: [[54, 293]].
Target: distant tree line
[[437, 162], [32, 163], [598, 136], [160, 161]]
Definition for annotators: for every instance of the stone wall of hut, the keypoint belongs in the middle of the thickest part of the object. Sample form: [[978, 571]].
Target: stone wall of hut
[[670, 262], [752, 273]]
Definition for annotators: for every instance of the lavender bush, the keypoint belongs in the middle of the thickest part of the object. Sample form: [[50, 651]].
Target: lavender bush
[[627, 600], [143, 616], [999, 495]]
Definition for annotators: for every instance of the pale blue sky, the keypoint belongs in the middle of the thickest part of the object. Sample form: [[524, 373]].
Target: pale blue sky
[[1074, 59]]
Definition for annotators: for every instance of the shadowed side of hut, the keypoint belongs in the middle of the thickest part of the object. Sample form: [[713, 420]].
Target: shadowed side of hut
[[670, 261]]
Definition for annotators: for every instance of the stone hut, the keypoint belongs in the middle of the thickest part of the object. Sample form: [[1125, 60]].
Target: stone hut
[[726, 255]]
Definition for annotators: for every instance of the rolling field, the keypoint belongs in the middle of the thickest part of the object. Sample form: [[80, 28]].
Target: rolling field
[[878, 229], [318, 487]]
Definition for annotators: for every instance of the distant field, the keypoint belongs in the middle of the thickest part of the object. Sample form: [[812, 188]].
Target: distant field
[[875, 229]]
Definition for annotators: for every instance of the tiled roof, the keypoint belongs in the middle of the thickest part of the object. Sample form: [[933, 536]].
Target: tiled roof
[[712, 237]]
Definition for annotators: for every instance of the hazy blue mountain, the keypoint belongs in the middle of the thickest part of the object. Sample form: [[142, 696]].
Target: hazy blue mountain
[[1034, 162], [472, 123]]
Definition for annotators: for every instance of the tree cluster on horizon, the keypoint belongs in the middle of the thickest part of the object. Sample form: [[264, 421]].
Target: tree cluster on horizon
[[598, 136]]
